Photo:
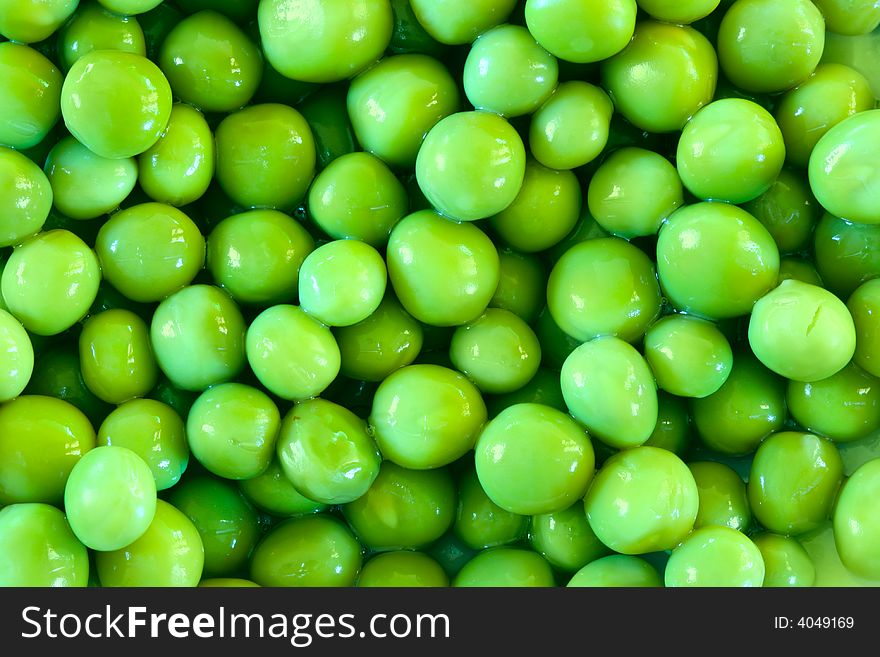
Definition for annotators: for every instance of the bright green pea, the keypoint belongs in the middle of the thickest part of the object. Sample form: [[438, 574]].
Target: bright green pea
[[543, 213], [556, 344], [357, 196], [770, 45], [800, 269], [274, 493], [342, 282], [94, 28], [617, 570], [115, 356], [324, 40], [533, 459], [327, 452], [678, 11], [788, 211], [471, 165], [715, 556], [723, 499], [608, 386], [227, 524], [522, 284], [25, 197], [505, 566], [16, 357], [715, 260], [498, 351], [403, 508], [565, 538], [50, 281], [856, 527], [457, 22], [169, 554], [265, 156], [843, 174], [110, 498], [543, 388], [29, 22], [689, 356], [31, 88], [198, 337], [479, 522], [672, 431], [130, 7], [444, 273], [150, 250], [786, 563], [846, 254], [210, 63], [802, 332], [394, 104], [581, 30], [571, 128], [155, 432], [603, 286], [863, 306], [663, 76], [849, 17], [426, 416], [292, 354], [85, 185], [129, 95], [232, 429], [178, 168], [402, 568], [409, 36], [793, 481]]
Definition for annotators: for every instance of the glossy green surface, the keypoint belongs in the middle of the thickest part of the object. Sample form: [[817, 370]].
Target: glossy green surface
[[788, 211], [715, 557], [786, 563], [26, 197], [460, 21], [863, 306], [16, 357], [723, 499], [617, 570], [31, 23], [673, 431], [274, 493], [403, 568], [565, 538], [479, 522], [845, 253], [849, 17], [678, 11], [130, 7], [581, 30], [31, 87], [92, 27], [503, 566], [856, 528], [522, 284]]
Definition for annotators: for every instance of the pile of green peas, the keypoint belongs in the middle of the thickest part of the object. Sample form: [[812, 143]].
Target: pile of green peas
[[439, 292]]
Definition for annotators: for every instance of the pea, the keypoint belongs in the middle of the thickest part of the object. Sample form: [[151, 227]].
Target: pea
[[504, 566], [845, 254], [799, 269], [227, 582], [20, 21], [460, 21], [31, 87], [675, 11], [672, 431], [16, 357], [402, 568], [861, 305], [92, 27], [237, 10], [565, 538], [521, 284], [479, 522], [617, 570], [26, 197], [786, 563], [130, 7], [272, 492], [723, 498], [849, 18], [715, 556], [856, 530]]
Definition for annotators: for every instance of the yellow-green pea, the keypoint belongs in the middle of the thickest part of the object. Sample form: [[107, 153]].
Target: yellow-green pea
[[506, 566], [715, 556], [617, 570], [456, 22], [31, 88], [25, 197], [856, 528], [16, 357], [92, 27], [402, 568], [272, 492], [582, 30], [32, 22], [723, 498], [786, 563]]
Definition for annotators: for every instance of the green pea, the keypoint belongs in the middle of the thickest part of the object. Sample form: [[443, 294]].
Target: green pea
[[342, 282], [94, 28], [16, 357], [426, 416], [25, 197], [788, 211], [110, 498], [802, 332], [566, 539], [357, 197], [38, 549], [799, 269], [226, 523], [274, 493], [232, 429], [327, 452], [856, 528], [543, 213], [862, 305], [840, 154], [169, 554], [403, 509], [603, 286], [444, 273], [292, 354], [402, 568], [571, 128], [617, 570], [672, 431], [130, 7], [533, 459], [471, 165], [28, 23], [849, 17], [543, 388], [156, 24], [237, 10], [504, 566], [846, 254], [770, 45], [715, 260], [522, 284], [178, 168], [479, 522], [265, 156], [723, 499], [227, 582], [676, 11], [642, 500], [608, 386], [786, 563], [393, 105], [327, 115], [152, 430], [581, 30], [50, 281], [31, 88], [408, 35], [715, 556], [456, 22], [663, 77]]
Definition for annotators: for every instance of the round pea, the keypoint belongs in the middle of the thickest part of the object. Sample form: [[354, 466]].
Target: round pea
[[29, 22], [715, 556], [863, 306], [672, 431], [581, 31], [505, 566], [327, 452], [642, 500], [786, 563], [130, 7], [92, 27], [227, 582], [609, 388], [723, 498], [678, 11], [617, 570], [26, 197], [849, 17], [402, 568], [543, 388], [846, 254], [565, 538], [788, 211], [274, 493], [800, 269], [856, 527], [16, 357], [479, 522], [110, 498], [31, 88], [327, 115], [456, 22], [292, 354], [522, 284]]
